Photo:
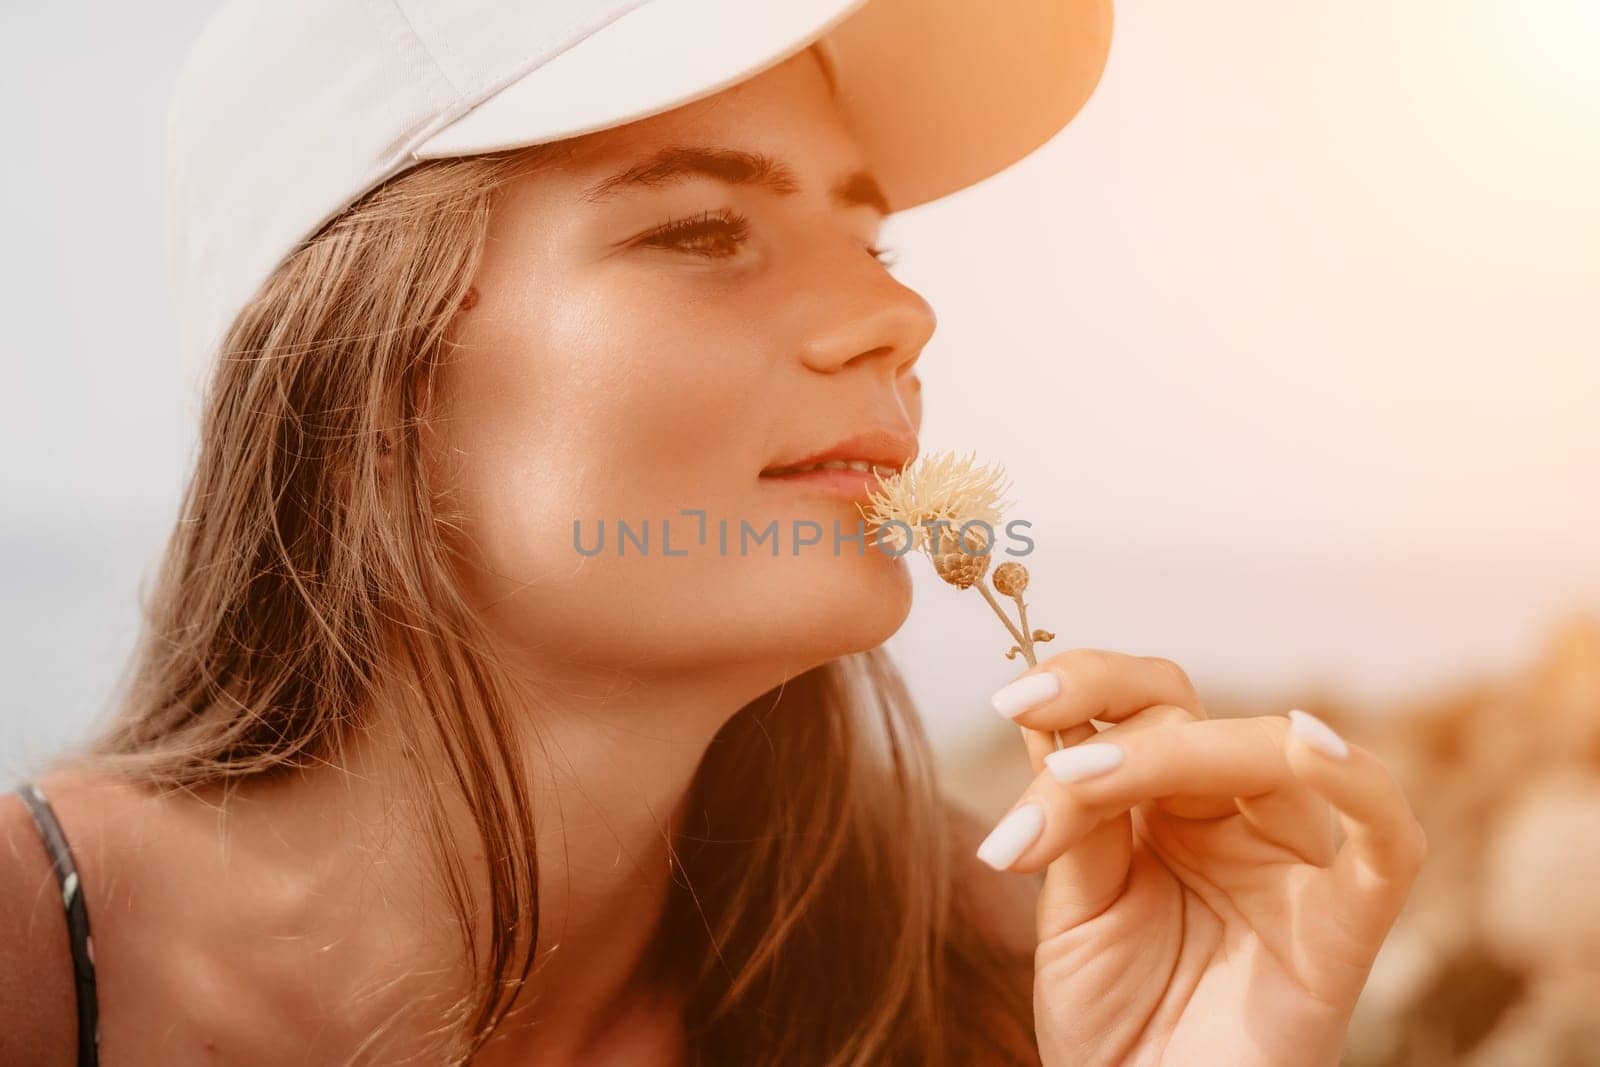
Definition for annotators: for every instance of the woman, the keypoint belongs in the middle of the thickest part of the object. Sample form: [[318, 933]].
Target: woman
[[404, 774]]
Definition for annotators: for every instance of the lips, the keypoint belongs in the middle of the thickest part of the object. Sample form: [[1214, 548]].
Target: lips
[[882, 452], [846, 482], [862, 465]]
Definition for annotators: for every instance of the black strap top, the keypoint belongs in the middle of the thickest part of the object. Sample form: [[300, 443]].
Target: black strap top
[[55, 842]]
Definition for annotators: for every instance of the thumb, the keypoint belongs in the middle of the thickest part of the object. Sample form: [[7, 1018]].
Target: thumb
[[1083, 881]]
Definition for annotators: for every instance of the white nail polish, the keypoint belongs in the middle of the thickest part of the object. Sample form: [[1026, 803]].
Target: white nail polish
[[1014, 699], [1078, 762], [1012, 836], [1318, 734]]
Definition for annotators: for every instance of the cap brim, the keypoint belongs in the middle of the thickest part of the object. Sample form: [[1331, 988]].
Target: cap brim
[[941, 93]]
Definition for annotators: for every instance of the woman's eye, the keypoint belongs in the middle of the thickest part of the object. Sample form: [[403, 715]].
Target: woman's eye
[[712, 234], [719, 235]]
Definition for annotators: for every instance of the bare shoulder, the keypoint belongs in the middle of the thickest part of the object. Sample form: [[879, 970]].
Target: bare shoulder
[[37, 1011], [107, 825], [1003, 903], [173, 921]]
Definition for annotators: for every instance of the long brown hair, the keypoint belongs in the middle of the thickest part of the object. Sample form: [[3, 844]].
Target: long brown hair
[[815, 917]]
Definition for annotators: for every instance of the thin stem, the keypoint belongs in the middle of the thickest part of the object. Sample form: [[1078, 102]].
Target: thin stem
[[1026, 645], [1024, 637]]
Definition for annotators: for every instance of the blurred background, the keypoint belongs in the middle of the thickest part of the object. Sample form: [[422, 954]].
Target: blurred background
[[1290, 344]]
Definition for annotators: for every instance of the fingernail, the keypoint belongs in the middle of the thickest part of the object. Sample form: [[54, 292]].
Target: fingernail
[[1012, 836], [1083, 761], [1024, 693], [1318, 734]]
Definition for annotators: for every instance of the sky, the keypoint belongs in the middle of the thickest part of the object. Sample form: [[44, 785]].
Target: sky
[[1288, 344]]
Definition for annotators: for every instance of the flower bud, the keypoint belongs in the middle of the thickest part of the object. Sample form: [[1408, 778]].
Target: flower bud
[[960, 569], [1010, 579]]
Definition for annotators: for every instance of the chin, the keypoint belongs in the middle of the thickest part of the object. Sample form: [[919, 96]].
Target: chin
[[847, 604]]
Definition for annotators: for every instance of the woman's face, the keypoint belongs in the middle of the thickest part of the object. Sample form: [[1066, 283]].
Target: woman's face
[[652, 334]]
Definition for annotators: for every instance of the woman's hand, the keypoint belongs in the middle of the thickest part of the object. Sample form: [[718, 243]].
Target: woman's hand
[[1198, 905]]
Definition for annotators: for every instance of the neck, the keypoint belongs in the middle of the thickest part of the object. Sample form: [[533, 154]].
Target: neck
[[609, 760]]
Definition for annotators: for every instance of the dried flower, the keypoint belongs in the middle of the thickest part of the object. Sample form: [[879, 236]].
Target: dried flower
[[942, 487], [1010, 579], [949, 506], [959, 568]]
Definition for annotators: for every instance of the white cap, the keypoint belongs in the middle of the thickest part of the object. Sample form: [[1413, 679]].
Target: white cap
[[287, 111]]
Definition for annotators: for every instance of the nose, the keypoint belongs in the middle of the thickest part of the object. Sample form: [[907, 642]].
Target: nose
[[873, 319]]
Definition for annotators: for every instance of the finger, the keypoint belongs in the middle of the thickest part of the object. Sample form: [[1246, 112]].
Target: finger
[[1206, 758], [1083, 880], [1291, 814], [1078, 883], [1296, 817], [1041, 743], [1087, 784], [1072, 687], [1184, 806], [1384, 846]]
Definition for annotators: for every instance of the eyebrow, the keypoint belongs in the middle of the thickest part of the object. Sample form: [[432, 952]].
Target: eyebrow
[[733, 167]]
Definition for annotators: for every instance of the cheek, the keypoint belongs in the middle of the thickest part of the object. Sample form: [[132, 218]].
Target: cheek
[[604, 403], [592, 408], [588, 379]]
